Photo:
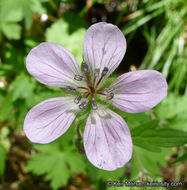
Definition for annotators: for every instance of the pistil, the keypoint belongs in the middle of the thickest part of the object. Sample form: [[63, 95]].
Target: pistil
[[92, 88]]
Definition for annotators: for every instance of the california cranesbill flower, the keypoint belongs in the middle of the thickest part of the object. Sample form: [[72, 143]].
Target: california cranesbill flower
[[107, 139]]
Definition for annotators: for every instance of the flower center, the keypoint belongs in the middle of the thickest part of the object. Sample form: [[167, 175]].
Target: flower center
[[92, 88]]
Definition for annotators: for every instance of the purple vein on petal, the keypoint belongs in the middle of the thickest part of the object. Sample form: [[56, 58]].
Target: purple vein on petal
[[66, 119], [50, 122]]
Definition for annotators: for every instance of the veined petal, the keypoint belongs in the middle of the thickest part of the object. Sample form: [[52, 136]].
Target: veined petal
[[107, 140], [139, 91], [53, 65], [104, 46], [50, 119]]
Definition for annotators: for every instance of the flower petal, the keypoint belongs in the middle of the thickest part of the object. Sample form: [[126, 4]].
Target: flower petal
[[53, 65], [107, 140], [50, 119], [139, 91], [104, 46]]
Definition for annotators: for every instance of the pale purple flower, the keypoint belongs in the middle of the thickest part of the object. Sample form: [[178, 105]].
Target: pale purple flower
[[107, 139]]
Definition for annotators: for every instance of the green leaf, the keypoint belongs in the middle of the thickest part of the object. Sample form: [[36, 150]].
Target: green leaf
[[77, 24], [37, 6], [2, 159], [141, 129], [4, 147], [152, 124], [4, 139], [146, 162], [6, 106], [59, 173], [23, 87], [146, 145], [11, 30], [179, 122], [47, 148], [76, 162], [135, 120], [53, 165], [27, 12], [57, 161], [164, 137], [10, 11], [171, 107]]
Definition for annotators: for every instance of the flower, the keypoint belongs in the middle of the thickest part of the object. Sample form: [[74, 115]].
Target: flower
[[107, 139]]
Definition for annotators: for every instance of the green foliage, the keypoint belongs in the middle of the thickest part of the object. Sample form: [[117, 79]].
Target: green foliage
[[164, 137], [162, 27], [10, 15], [2, 159], [22, 82], [4, 147], [58, 164], [146, 163], [172, 112], [13, 11]]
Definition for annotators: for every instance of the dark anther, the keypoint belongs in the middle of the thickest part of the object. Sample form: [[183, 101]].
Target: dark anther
[[70, 89], [94, 105], [77, 99], [85, 68], [109, 89], [105, 70], [83, 105], [110, 96], [96, 73], [78, 77]]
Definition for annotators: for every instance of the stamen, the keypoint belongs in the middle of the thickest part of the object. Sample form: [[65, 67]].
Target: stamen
[[104, 72], [84, 103], [96, 74], [81, 87], [109, 89], [108, 96], [94, 104], [79, 97], [102, 93], [101, 89], [85, 68], [70, 89], [78, 77]]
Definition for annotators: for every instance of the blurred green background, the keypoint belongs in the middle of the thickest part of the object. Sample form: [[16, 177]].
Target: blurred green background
[[156, 33]]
